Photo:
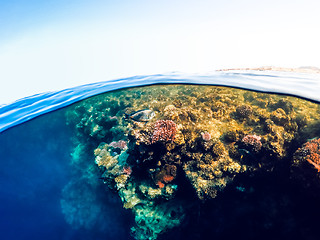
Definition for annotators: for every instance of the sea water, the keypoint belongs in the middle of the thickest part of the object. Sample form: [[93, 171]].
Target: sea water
[[212, 160]]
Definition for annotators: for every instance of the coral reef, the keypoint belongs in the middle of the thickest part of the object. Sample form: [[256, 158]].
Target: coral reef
[[193, 142]]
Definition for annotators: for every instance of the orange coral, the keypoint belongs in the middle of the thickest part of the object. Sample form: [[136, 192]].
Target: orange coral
[[165, 175], [167, 178], [160, 184]]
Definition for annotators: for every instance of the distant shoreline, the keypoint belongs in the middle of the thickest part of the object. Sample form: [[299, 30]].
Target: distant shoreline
[[278, 69]]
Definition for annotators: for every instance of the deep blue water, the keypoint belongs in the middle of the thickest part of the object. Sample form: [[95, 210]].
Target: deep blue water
[[35, 157], [35, 167]]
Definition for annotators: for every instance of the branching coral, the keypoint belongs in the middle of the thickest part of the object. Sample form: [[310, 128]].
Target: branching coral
[[164, 131]]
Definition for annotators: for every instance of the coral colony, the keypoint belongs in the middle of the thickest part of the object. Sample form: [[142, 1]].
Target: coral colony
[[205, 136], [118, 144], [193, 143], [310, 152], [252, 141], [164, 131]]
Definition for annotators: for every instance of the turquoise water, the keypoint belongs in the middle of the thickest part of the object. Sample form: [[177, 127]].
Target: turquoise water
[[49, 192]]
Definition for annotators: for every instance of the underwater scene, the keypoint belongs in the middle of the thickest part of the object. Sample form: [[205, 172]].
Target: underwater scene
[[173, 161]]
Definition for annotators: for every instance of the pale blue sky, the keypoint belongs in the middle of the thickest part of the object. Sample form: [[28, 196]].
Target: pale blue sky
[[52, 45]]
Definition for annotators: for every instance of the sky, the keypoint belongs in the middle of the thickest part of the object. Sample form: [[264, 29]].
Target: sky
[[52, 45]]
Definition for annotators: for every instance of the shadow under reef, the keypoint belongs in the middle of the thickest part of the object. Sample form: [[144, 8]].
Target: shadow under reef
[[263, 206]]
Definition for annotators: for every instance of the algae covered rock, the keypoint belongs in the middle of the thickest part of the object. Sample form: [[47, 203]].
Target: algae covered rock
[[153, 220]]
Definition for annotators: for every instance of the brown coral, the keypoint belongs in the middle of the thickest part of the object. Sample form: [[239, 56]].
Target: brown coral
[[244, 111]]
